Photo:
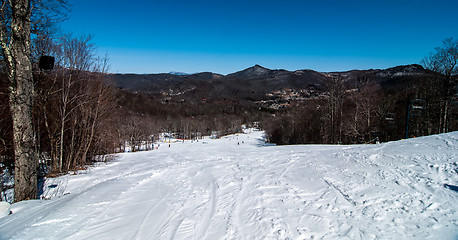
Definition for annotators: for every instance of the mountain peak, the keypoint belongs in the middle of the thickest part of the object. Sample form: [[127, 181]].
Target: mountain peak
[[258, 68], [252, 72], [403, 70]]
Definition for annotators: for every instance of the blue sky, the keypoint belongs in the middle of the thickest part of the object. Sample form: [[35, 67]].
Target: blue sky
[[227, 36]]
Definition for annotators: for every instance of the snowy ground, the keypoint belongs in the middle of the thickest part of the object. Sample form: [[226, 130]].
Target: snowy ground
[[217, 189]]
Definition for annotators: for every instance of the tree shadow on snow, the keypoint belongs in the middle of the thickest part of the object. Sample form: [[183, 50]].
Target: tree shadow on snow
[[264, 143], [451, 187]]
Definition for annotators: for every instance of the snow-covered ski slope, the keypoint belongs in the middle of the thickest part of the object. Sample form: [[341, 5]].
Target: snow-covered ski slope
[[219, 189]]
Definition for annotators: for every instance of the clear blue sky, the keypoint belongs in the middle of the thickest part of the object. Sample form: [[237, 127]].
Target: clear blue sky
[[227, 36]]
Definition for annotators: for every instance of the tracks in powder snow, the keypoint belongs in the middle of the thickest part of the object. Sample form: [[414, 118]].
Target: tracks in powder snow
[[215, 197], [302, 194], [225, 190]]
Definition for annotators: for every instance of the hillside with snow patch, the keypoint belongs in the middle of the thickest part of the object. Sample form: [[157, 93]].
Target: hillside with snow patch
[[237, 187]]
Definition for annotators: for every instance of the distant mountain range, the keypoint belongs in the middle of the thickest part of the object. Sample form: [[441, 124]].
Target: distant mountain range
[[179, 73], [257, 81]]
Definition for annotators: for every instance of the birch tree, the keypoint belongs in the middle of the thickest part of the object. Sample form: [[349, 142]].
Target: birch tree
[[18, 18], [16, 52]]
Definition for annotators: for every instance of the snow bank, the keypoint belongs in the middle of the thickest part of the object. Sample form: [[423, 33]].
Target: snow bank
[[4, 209], [238, 187]]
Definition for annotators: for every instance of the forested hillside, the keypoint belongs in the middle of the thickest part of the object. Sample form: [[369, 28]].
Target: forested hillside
[[302, 106]]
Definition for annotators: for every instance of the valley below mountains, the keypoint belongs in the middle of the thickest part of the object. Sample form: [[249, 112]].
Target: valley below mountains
[[294, 107], [264, 87]]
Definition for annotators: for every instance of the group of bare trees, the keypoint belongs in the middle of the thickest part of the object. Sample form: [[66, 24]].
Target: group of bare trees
[[72, 103], [146, 117], [361, 111], [444, 62], [70, 110], [56, 116], [340, 116]]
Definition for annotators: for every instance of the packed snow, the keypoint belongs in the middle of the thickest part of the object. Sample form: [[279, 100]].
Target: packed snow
[[238, 187]]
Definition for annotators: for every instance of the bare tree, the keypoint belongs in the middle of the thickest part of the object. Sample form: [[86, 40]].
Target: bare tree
[[334, 109], [365, 98], [445, 62]]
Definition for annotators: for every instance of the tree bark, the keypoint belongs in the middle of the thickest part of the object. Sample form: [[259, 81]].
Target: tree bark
[[21, 89]]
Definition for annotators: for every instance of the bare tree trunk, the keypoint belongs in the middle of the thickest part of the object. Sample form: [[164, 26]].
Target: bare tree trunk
[[61, 144], [444, 129], [21, 89], [441, 118], [94, 121], [340, 118], [52, 140], [63, 118], [73, 150]]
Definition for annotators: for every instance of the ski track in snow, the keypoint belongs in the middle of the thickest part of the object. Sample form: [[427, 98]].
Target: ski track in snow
[[222, 190]]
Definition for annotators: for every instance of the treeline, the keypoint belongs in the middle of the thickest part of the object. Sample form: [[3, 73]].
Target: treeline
[[362, 110], [77, 119], [71, 106], [146, 116]]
